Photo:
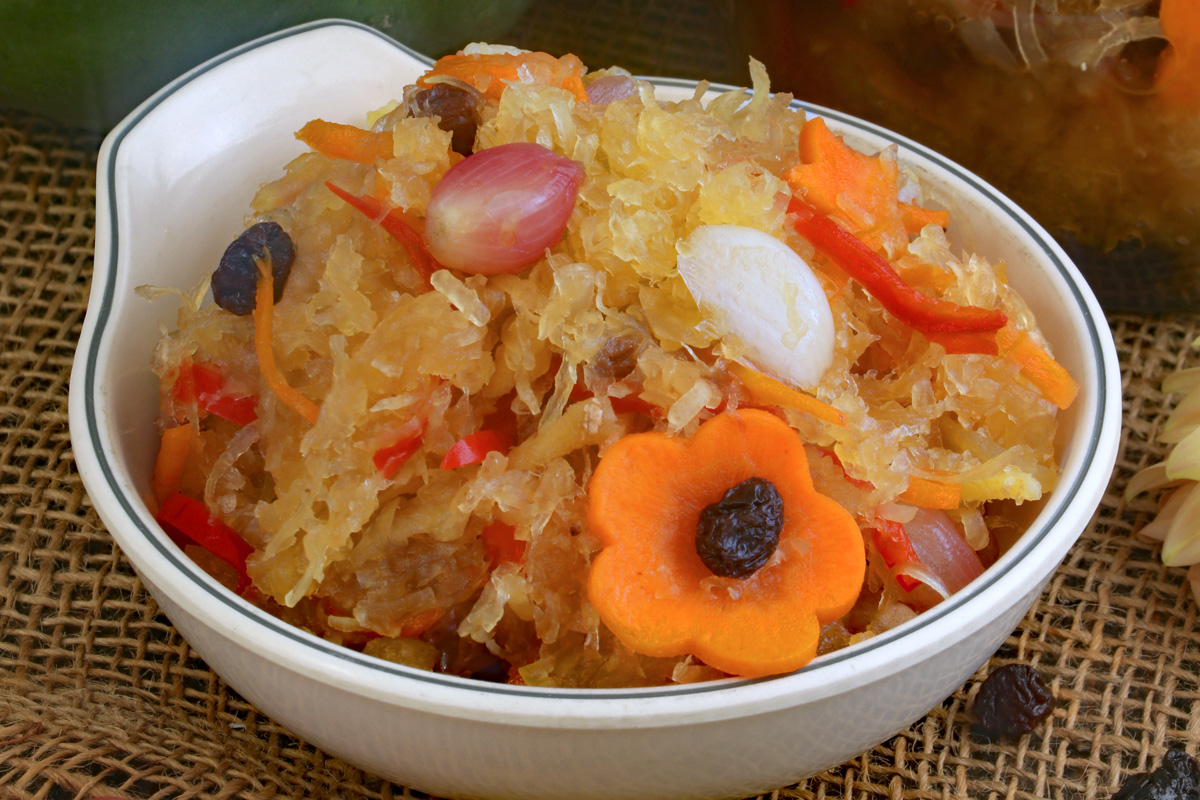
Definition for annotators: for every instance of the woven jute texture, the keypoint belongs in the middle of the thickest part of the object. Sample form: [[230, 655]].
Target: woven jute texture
[[99, 695]]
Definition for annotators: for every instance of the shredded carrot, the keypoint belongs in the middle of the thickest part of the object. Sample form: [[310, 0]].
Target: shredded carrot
[[574, 85], [1038, 366], [264, 308], [766, 389], [931, 494], [173, 453], [965, 342], [346, 142], [915, 217], [927, 276], [491, 73]]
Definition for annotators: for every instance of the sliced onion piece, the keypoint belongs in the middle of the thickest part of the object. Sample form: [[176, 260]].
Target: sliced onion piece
[[929, 591], [499, 209], [755, 287], [942, 549]]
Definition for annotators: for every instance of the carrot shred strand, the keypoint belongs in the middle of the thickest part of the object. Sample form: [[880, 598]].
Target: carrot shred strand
[[1049, 377], [768, 390], [173, 453], [925, 493], [346, 142], [264, 307]]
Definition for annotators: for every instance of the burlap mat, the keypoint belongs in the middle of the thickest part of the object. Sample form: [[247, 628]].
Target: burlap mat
[[100, 696]]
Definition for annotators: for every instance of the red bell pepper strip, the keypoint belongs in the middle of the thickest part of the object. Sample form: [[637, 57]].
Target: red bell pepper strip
[[212, 397], [187, 521], [914, 309], [204, 385], [393, 222], [504, 420], [501, 545], [895, 548], [388, 460], [629, 404], [832, 456], [474, 448]]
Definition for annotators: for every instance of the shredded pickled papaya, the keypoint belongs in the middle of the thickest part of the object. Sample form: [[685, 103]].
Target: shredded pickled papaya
[[667, 445], [393, 221]]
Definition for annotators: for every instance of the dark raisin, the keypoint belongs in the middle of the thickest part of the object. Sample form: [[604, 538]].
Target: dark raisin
[[617, 357], [236, 278], [739, 532], [495, 672], [1177, 778], [1012, 701], [457, 110]]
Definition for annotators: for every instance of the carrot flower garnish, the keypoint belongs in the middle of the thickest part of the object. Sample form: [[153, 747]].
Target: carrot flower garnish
[[656, 593]]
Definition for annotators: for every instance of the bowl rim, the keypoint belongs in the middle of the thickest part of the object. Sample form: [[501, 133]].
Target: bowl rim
[[449, 694]]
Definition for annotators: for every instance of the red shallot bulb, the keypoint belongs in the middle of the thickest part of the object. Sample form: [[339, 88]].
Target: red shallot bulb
[[499, 209], [610, 89], [942, 550]]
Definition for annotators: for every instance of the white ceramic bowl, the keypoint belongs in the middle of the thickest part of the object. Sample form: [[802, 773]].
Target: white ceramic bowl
[[174, 181]]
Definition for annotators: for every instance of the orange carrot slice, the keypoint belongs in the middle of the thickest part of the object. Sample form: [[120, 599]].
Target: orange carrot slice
[[864, 190], [769, 391], [346, 142], [264, 314], [837, 179], [173, 453], [653, 591], [1039, 367]]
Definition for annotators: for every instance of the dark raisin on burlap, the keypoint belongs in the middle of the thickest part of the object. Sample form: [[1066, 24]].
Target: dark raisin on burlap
[[100, 696]]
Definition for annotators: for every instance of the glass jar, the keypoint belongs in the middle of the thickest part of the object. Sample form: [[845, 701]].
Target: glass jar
[[1084, 112]]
